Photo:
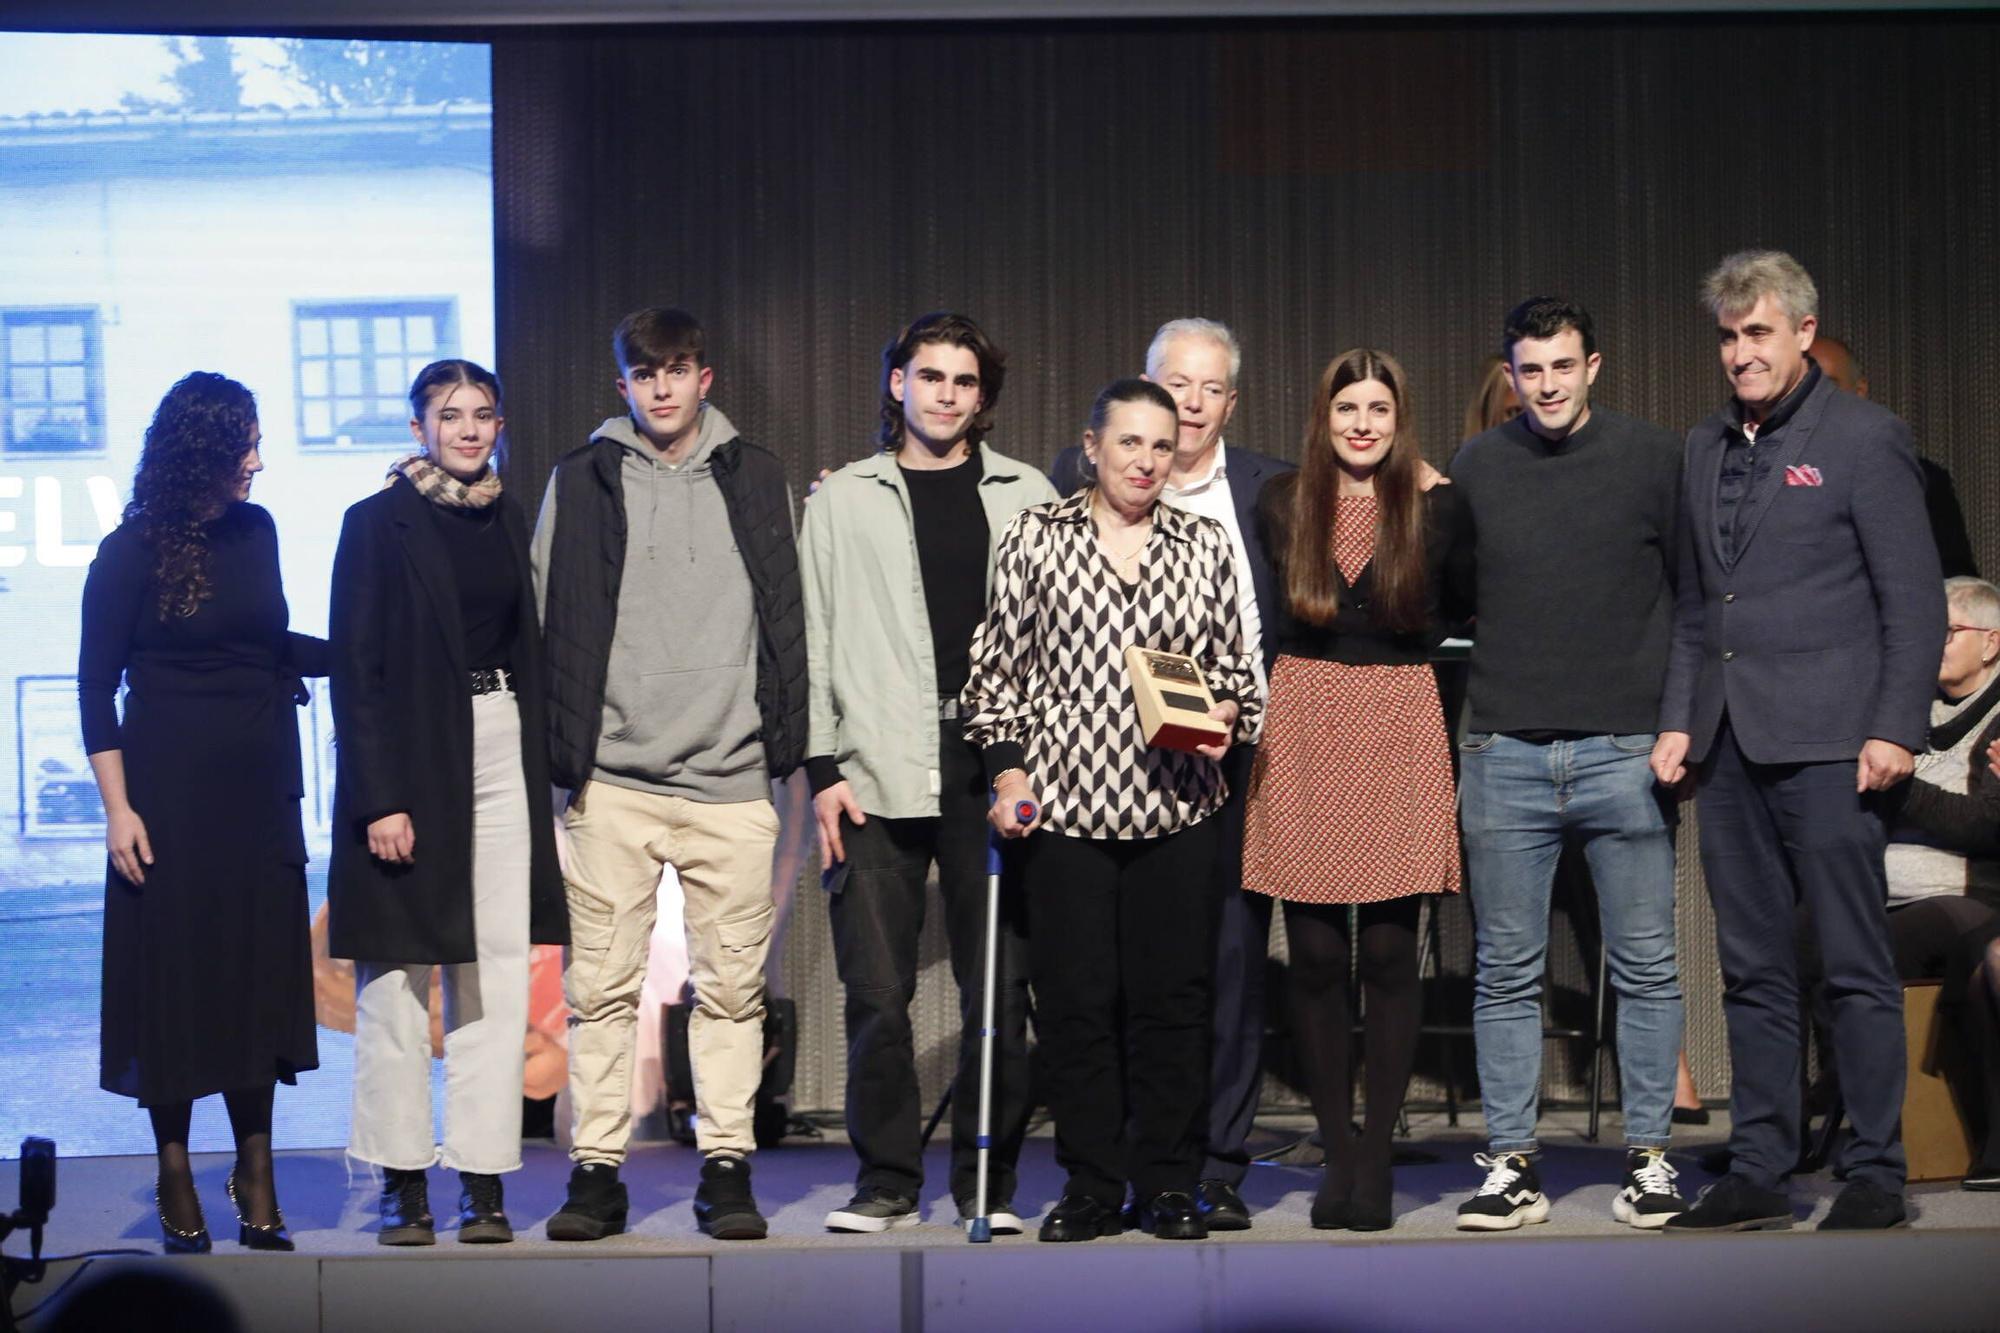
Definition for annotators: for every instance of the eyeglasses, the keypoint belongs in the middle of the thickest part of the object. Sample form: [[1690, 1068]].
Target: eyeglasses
[[1950, 630]]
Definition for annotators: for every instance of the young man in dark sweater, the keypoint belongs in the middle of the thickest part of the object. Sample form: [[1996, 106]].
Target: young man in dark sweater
[[1573, 509], [897, 555]]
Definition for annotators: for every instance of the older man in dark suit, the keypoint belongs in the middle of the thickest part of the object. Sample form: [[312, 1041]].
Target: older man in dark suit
[[1807, 622], [1197, 361]]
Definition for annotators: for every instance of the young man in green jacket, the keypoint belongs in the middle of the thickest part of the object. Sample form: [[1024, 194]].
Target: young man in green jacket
[[896, 557]]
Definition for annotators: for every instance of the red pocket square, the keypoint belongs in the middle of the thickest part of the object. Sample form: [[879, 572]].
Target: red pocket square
[[1803, 475]]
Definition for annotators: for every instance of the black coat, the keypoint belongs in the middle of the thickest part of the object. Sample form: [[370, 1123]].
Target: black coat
[[402, 716]]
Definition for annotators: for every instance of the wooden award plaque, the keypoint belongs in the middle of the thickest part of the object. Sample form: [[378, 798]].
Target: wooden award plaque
[[1173, 700]]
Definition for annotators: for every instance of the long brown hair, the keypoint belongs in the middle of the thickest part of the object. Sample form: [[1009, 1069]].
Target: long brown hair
[[1311, 585]]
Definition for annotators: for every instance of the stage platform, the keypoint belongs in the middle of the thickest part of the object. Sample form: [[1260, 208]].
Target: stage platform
[[1580, 1270]]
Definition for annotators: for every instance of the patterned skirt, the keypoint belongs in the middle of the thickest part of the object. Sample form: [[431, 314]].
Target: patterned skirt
[[1351, 800]]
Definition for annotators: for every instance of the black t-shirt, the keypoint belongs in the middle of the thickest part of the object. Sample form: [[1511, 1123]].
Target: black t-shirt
[[489, 588], [952, 541]]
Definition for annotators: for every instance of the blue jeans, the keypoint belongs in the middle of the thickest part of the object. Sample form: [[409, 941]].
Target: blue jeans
[[1519, 801]]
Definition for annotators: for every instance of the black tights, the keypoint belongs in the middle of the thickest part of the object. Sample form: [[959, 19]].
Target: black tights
[[1356, 1168], [250, 1122], [1979, 1019]]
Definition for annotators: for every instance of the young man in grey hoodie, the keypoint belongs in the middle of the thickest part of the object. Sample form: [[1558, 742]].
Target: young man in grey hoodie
[[898, 560], [667, 573]]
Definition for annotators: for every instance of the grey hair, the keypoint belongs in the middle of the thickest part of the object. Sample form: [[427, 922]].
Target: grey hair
[[1213, 330], [1740, 279], [1976, 598]]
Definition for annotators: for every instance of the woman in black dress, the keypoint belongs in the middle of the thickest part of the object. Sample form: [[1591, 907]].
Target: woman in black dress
[[444, 847], [207, 962]]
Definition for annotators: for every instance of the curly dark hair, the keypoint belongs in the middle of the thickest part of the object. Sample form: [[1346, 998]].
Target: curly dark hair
[[194, 451]]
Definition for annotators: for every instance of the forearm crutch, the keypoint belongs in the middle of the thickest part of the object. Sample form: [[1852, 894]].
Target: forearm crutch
[[980, 1231]]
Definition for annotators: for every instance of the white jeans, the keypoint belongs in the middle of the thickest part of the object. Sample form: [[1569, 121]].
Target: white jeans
[[485, 1002]]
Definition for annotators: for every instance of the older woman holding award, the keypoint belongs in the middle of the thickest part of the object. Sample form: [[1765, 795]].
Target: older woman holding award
[[1121, 750]]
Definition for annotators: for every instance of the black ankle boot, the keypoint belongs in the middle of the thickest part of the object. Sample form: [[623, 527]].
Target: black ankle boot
[[482, 1215], [406, 1209]]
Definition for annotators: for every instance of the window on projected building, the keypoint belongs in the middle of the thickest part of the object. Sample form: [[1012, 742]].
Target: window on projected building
[[53, 381], [355, 364]]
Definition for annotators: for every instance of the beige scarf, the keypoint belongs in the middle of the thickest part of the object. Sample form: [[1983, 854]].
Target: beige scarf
[[440, 487]]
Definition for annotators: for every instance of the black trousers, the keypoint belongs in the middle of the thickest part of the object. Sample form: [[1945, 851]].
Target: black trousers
[[1774, 836], [1122, 941], [878, 917], [1242, 951]]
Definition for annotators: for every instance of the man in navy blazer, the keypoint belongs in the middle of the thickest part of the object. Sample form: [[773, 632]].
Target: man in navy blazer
[[1808, 619], [1197, 361]]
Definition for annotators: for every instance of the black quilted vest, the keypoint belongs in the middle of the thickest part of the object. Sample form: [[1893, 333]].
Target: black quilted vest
[[587, 563]]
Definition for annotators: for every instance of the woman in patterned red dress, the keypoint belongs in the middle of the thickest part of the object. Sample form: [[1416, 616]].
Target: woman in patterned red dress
[[1351, 804]]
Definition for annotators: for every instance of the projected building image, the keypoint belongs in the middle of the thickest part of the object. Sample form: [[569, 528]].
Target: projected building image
[[313, 218]]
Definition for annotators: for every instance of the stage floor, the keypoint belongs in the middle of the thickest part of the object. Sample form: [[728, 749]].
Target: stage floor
[[1579, 1268]]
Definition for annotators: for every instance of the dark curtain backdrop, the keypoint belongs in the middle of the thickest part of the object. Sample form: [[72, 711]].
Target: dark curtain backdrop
[[806, 190]]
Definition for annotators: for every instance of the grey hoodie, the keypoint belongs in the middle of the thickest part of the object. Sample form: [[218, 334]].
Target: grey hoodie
[[680, 692]]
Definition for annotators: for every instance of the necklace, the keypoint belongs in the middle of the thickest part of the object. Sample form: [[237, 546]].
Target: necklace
[[1121, 559]]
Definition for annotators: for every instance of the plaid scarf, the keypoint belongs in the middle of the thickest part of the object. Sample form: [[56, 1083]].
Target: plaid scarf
[[440, 487]]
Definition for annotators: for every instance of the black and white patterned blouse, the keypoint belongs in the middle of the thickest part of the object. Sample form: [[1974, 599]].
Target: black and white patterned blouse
[[1049, 691]]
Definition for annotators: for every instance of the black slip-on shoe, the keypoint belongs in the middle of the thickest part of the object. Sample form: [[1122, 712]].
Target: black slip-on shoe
[[1732, 1204], [1222, 1207], [1171, 1215], [1080, 1217], [1861, 1206]]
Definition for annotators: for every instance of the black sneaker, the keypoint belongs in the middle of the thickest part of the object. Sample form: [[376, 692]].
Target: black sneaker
[[1649, 1197], [1170, 1215], [1511, 1196], [1732, 1204], [1981, 1177], [874, 1208], [1865, 1207], [406, 1209], [482, 1210], [1222, 1207], [595, 1207], [723, 1206]]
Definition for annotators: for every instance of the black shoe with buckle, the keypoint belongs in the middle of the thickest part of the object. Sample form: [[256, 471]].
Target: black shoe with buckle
[[1171, 1215], [406, 1209], [723, 1205], [595, 1207], [482, 1210], [1222, 1207], [1861, 1206], [1732, 1203], [1080, 1217]]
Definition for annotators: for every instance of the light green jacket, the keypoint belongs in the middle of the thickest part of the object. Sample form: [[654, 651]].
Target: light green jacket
[[868, 634]]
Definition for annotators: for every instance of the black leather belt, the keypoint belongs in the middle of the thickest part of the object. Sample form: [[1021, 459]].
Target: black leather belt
[[489, 680]]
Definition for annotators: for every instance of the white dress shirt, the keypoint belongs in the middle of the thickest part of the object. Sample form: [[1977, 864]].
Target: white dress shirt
[[1210, 497]]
